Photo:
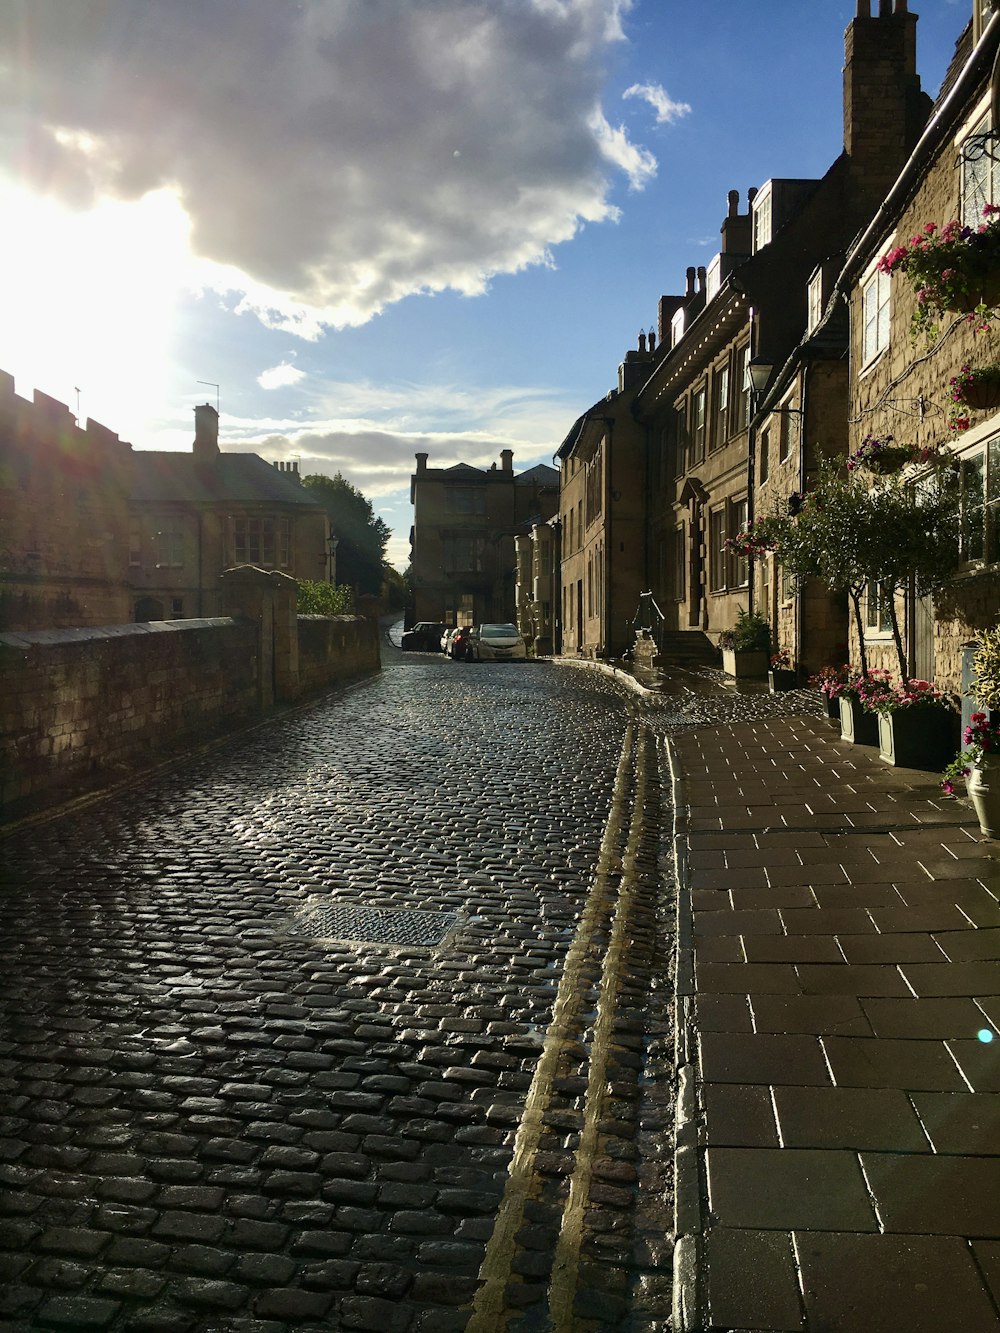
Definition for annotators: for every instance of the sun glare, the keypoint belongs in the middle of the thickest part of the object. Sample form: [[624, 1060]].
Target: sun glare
[[89, 302]]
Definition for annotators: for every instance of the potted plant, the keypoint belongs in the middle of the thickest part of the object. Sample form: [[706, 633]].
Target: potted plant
[[830, 681], [746, 647], [917, 726], [973, 391], [979, 763], [782, 676], [881, 454], [951, 268], [858, 721]]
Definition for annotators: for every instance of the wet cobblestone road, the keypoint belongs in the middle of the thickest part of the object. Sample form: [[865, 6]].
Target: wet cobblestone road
[[351, 1023]]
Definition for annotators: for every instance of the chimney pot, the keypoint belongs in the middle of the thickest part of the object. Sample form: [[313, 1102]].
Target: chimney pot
[[642, 340], [702, 276], [690, 283], [864, 9], [652, 340], [734, 202], [421, 462]]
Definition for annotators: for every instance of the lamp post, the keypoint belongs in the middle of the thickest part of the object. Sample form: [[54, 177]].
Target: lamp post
[[332, 543]]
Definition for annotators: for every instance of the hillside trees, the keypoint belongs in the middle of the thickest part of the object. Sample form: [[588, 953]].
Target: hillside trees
[[361, 537]]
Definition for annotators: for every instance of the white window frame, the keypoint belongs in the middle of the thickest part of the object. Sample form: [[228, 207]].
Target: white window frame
[[170, 549], [875, 310], [980, 182], [814, 296], [763, 215]]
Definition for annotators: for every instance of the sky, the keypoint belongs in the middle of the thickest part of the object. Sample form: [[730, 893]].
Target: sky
[[370, 228]]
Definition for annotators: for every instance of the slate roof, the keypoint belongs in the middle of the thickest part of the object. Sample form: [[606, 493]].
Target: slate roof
[[539, 475], [233, 478]]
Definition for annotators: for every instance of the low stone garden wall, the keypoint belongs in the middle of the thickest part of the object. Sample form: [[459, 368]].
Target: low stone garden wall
[[80, 708]]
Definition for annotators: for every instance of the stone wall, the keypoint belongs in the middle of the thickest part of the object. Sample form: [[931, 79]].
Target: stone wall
[[80, 708], [335, 648]]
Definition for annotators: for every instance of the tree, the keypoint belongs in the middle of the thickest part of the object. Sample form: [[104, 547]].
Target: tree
[[857, 533], [361, 537], [323, 599]]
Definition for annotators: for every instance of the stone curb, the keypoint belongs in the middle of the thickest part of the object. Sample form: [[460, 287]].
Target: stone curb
[[689, 1219]]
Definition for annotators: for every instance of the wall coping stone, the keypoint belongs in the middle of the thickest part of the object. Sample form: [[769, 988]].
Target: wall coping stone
[[29, 638]]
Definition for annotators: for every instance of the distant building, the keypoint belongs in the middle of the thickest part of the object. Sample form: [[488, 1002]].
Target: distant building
[[63, 516], [465, 520], [194, 515]]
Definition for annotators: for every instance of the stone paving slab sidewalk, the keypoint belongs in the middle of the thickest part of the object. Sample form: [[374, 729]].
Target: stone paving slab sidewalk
[[838, 1160]]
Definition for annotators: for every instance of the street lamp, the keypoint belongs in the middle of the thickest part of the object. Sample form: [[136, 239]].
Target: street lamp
[[758, 374], [332, 543]]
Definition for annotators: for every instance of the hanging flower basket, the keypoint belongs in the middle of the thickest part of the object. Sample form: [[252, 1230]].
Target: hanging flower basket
[[977, 389], [880, 453], [953, 268]]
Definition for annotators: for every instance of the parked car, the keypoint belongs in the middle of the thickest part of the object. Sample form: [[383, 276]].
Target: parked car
[[495, 643], [446, 639], [459, 642], [423, 637]]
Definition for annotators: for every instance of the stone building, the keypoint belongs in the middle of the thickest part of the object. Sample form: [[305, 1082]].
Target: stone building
[[726, 443], [63, 516], [902, 388], [602, 494], [193, 515], [465, 520]]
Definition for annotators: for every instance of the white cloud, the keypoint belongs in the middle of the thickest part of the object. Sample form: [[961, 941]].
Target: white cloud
[[280, 376], [667, 110], [332, 158]]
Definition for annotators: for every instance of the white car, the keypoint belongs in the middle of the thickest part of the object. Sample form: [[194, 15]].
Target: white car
[[496, 643]]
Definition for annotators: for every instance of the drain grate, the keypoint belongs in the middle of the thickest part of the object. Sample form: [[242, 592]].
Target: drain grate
[[373, 925]]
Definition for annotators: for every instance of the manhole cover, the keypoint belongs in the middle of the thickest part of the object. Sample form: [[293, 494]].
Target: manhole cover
[[374, 925]]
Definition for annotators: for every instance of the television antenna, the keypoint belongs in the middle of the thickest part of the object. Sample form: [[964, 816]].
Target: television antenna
[[212, 385]]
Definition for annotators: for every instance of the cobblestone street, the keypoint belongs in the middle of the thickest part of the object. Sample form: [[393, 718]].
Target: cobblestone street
[[352, 1022]]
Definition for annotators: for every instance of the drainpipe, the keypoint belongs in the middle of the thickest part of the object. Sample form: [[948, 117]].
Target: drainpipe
[[803, 422]]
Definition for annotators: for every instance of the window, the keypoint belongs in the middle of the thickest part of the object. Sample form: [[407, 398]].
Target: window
[[698, 427], [467, 500], [721, 423], [979, 479], [463, 554], [595, 488], [980, 179], [981, 12], [678, 579], [743, 389], [677, 327], [762, 219], [815, 300], [784, 435], [134, 547], [765, 456], [874, 316], [682, 444], [262, 541], [170, 550], [716, 549], [579, 525], [590, 586], [878, 599], [177, 607], [739, 567]]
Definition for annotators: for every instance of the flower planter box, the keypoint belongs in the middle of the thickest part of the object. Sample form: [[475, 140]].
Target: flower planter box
[[857, 727], [781, 680], [919, 737], [745, 664], [832, 707]]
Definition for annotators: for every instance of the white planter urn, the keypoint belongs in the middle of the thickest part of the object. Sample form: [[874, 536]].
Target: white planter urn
[[983, 786]]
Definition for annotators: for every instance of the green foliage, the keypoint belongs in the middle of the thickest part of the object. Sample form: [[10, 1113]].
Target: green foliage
[[853, 533], [986, 665], [361, 537], [323, 599], [752, 633]]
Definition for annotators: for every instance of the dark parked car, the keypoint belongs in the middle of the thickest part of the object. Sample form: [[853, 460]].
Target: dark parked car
[[458, 643], [423, 637]]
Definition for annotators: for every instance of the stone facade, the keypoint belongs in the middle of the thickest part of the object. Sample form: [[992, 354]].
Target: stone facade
[[901, 385], [602, 509], [63, 516], [465, 520], [193, 515]]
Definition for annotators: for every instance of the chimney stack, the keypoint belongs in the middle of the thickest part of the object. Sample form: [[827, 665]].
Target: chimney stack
[[507, 460], [885, 110], [421, 462], [206, 432]]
